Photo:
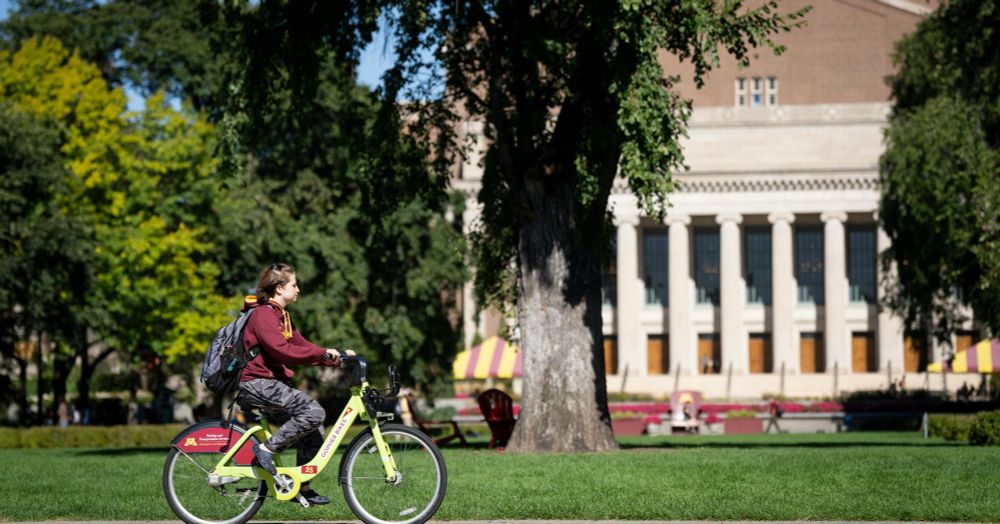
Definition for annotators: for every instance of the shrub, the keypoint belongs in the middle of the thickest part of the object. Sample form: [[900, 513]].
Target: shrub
[[741, 413], [985, 429], [616, 396], [89, 436], [950, 427], [618, 415]]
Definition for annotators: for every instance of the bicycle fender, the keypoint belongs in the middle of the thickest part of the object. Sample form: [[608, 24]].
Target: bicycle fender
[[215, 436]]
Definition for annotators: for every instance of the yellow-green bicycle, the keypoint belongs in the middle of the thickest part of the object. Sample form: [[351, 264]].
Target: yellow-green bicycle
[[389, 473]]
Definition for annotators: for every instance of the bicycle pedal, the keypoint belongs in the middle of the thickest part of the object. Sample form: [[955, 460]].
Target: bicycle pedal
[[303, 501]]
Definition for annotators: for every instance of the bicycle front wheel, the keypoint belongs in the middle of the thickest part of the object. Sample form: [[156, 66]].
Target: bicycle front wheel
[[414, 497], [193, 497]]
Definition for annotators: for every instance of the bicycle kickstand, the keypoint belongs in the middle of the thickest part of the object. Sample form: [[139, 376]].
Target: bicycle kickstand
[[302, 500]]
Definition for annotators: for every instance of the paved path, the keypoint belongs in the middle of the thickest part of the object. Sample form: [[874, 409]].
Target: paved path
[[507, 522]]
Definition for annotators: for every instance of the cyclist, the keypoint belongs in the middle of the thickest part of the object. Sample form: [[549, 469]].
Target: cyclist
[[266, 381]]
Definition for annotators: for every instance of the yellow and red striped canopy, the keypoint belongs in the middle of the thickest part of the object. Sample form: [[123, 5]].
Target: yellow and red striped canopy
[[495, 357], [984, 357]]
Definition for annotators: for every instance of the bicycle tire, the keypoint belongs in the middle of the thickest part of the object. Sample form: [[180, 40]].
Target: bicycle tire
[[412, 500], [193, 500]]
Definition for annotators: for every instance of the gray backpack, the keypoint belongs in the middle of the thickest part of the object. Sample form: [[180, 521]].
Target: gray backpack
[[226, 357]]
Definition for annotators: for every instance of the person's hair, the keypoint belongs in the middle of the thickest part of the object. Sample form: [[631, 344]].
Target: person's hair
[[270, 278]]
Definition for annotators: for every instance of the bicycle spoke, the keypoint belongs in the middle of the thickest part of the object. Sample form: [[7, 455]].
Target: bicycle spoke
[[195, 500], [193, 461], [414, 497]]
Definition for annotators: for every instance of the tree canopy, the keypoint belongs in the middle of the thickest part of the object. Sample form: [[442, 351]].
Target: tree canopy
[[179, 204], [572, 94], [940, 173], [568, 92], [127, 185]]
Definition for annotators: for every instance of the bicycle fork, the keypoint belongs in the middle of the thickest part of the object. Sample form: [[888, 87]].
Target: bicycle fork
[[392, 474]]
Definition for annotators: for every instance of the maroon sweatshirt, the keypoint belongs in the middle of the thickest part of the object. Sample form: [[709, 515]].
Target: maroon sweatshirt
[[274, 352]]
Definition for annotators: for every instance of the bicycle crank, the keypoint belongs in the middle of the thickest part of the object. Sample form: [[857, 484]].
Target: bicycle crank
[[283, 484]]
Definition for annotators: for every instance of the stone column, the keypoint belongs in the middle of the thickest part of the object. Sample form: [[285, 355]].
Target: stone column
[[890, 325], [836, 338], [628, 311], [469, 325], [783, 293], [732, 295], [682, 350]]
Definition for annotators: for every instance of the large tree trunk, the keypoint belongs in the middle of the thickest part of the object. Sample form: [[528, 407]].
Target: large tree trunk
[[564, 402]]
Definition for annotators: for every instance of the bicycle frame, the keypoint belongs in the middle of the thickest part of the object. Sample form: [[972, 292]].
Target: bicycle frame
[[299, 474]]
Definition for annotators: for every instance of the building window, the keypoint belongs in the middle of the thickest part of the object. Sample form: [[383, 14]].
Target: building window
[[741, 92], [861, 274], [709, 353], [761, 353], [654, 263], [609, 276], [863, 355], [915, 352], [610, 355], [706, 264], [757, 264], [812, 355], [809, 263], [657, 355], [757, 92]]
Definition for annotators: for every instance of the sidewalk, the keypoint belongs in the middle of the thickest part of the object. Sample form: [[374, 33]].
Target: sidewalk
[[510, 522]]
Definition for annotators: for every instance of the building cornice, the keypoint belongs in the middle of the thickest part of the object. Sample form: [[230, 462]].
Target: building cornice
[[801, 180], [743, 182]]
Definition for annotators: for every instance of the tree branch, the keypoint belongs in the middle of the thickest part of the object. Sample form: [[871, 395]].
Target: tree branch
[[104, 354]]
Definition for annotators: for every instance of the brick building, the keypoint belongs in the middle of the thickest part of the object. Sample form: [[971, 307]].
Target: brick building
[[763, 279]]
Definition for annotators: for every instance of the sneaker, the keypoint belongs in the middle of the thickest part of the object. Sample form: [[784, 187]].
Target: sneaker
[[265, 459], [314, 498]]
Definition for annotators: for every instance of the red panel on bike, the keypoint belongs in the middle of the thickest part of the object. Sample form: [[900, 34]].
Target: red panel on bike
[[216, 440]]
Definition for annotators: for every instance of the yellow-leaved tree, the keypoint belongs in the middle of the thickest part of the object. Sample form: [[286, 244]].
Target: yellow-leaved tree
[[142, 185]]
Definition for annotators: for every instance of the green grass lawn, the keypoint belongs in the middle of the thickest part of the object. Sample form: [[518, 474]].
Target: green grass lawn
[[850, 476]]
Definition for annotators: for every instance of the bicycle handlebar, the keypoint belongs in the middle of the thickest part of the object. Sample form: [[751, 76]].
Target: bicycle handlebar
[[359, 372]]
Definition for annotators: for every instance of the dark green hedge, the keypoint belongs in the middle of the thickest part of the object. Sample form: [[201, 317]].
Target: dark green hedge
[[950, 427], [985, 430], [89, 436]]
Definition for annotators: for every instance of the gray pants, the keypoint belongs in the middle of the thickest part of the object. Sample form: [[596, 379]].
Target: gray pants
[[301, 418]]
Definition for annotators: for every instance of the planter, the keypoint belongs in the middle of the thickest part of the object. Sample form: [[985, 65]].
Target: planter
[[740, 426], [628, 426]]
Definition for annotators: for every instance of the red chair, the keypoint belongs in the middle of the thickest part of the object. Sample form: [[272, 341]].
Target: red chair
[[498, 410]]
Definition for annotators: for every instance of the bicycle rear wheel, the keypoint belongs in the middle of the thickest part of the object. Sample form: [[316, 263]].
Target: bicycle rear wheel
[[417, 494], [187, 489]]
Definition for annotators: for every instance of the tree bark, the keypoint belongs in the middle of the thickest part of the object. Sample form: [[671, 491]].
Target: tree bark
[[22, 394], [564, 401], [40, 384], [87, 368], [61, 367]]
